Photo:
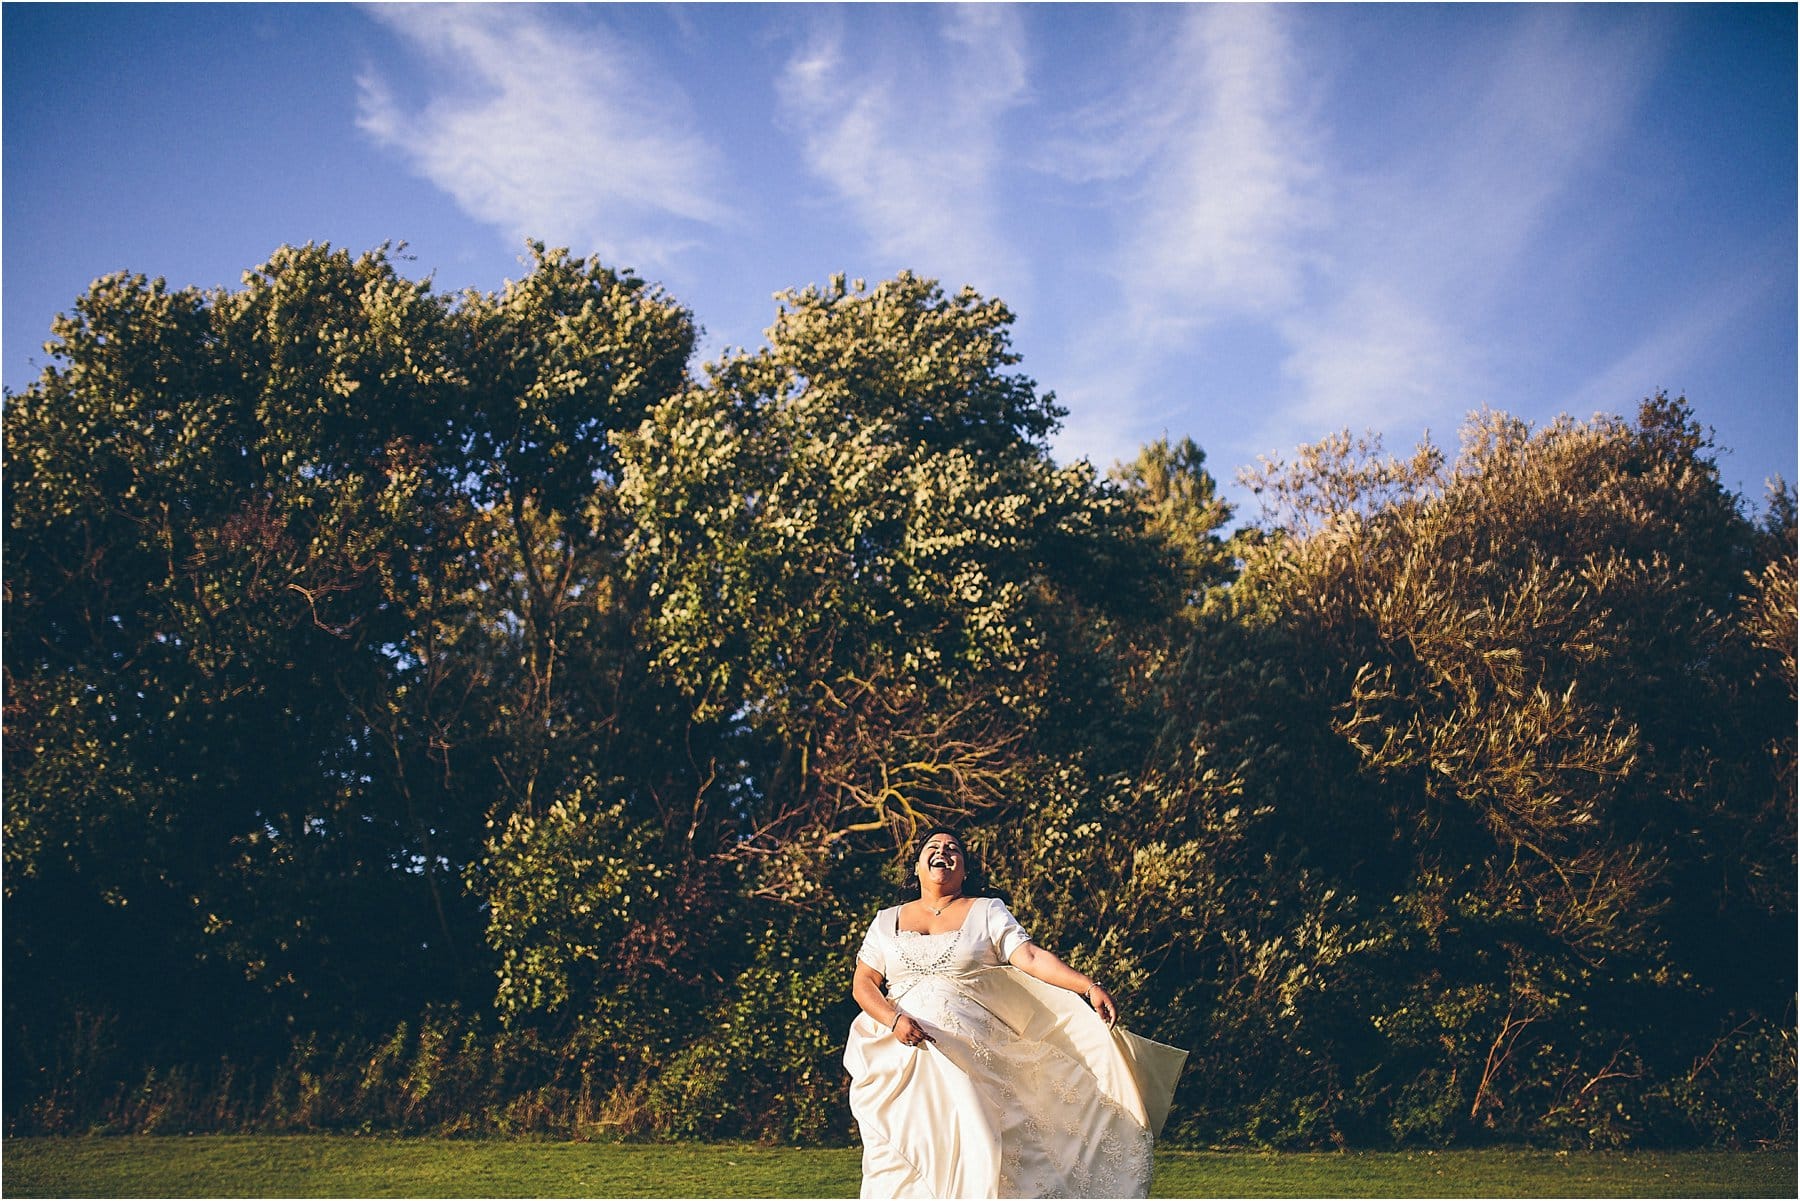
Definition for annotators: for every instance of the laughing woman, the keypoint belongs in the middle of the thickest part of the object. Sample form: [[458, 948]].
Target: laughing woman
[[976, 1068]]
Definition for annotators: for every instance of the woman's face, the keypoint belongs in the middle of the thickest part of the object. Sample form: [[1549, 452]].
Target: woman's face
[[943, 862]]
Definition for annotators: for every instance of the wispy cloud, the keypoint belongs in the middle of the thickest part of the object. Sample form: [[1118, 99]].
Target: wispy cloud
[[1428, 243], [1209, 161], [548, 131], [1374, 358], [1233, 188], [1456, 212], [916, 158], [1378, 280]]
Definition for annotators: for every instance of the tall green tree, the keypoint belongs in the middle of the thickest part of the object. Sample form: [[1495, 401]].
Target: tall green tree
[[1180, 498], [208, 501], [858, 552], [308, 583], [855, 543]]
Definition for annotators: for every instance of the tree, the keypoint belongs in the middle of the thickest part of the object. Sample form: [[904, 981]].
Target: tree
[[1180, 499], [307, 583], [857, 552], [207, 499], [1535, 658], [853, 539]]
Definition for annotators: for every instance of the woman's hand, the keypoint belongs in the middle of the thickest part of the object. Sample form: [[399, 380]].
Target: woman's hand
[[1033, 960], [909, 1031], [1102, 1002]]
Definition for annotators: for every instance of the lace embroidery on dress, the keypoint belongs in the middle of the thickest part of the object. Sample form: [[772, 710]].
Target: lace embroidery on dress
[[917, 965]]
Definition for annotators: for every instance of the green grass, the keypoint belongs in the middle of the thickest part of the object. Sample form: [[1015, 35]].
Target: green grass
[[338, 1166], [1486, 1173]]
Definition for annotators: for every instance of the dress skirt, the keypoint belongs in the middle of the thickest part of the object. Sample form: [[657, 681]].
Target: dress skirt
[[1026, 1092]]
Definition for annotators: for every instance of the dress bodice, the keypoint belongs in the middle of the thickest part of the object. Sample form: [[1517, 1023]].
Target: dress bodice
[[986, 939]]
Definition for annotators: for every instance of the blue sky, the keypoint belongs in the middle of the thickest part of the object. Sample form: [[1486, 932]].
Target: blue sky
[[1247, 224]]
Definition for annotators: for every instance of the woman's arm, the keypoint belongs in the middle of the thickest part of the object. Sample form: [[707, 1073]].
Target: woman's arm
[[1033, 960], [867, 989]]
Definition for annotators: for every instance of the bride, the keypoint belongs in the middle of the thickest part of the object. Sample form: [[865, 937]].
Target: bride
[[975, 1069]]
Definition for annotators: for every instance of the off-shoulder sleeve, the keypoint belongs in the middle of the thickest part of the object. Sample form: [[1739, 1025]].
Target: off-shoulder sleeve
[[872, 944], [1004, 930]]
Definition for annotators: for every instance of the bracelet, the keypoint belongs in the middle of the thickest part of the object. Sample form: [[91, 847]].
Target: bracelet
[[895, 1024], [1088, 993]]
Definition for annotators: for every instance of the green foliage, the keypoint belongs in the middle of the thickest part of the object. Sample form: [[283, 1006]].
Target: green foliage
[[306, 583], [766, 1063], [211, 506], [1170, 483], [478, 724], [565, 891], [1530, 758], [854, 544]]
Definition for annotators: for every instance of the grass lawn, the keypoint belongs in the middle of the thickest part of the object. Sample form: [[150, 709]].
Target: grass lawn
[[337, 1166]]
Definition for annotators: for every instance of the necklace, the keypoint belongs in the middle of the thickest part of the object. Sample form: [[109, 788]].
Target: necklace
[[935, 910]]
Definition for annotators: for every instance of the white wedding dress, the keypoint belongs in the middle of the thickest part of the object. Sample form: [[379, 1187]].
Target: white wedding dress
[[1026, 1092]]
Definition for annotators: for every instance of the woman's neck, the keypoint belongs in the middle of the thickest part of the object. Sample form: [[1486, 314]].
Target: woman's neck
[[937, 900]]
